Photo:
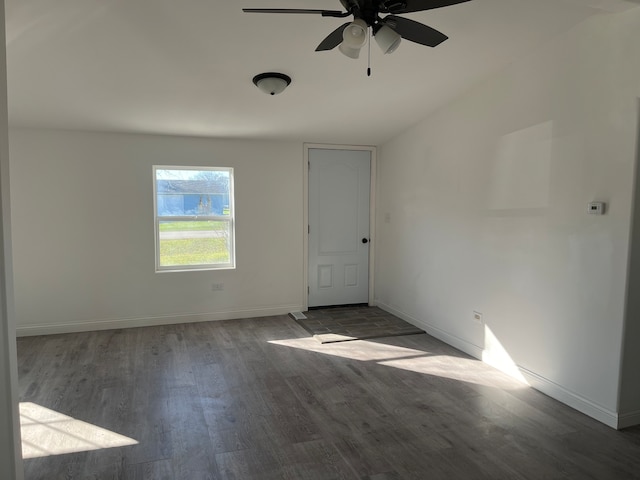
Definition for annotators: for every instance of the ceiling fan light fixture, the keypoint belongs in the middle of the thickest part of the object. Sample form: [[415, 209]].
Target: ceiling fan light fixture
[[355, 34], [387, 39], [272, 83]]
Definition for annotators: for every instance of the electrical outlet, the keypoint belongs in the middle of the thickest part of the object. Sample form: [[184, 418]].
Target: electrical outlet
[[477, 317], [596, 208], [217, 287]]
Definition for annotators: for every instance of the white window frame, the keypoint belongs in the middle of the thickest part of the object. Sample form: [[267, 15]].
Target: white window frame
[[219, 218]]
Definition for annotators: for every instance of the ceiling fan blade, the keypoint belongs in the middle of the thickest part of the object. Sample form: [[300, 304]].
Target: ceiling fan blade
[[324, 13], [414, 31], [407, 6], [333, 39]]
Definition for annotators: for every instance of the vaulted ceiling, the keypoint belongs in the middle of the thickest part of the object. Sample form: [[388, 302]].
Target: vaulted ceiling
[[185, 67]]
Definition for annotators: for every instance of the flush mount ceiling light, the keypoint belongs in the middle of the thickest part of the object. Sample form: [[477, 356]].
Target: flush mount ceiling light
[[272, 83]]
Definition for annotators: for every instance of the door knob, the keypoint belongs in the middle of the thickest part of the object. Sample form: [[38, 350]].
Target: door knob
[[365, 240]]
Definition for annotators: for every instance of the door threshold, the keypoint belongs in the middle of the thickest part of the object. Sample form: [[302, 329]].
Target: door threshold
[[353, 305]]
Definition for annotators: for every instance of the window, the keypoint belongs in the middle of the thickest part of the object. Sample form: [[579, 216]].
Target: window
[[194, 218]]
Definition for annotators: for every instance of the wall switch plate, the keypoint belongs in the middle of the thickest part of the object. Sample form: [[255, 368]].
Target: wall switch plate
[[477, 317], [596, 208]]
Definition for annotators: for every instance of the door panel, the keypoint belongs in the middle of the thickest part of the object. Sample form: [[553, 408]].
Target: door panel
[[339, 186]]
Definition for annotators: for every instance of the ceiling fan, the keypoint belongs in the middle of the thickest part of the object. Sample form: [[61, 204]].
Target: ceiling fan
[[350, 37]]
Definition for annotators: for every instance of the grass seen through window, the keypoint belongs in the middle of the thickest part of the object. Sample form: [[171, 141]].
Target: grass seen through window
[[194, 243]]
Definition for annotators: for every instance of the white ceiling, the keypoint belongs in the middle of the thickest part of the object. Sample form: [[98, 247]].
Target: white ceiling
[[185, 67]]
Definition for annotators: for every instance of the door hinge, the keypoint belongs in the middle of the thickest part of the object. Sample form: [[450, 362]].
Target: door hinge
[[308, 290], [308, 229]]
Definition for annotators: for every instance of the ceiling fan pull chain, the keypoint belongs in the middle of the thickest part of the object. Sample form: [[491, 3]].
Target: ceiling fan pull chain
[[369, 55]]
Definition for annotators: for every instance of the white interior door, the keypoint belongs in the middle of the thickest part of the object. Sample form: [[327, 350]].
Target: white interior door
[[339, 186]]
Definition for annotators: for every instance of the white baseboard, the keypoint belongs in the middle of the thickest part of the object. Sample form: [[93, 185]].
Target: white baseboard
[[544, 385], [572, 399], [630, 419], [115, 323]]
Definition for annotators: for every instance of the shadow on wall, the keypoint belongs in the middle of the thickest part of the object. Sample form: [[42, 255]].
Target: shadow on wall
[[521, 173]]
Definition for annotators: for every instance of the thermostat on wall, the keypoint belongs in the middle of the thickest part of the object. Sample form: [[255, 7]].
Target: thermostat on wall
[[596, 208]]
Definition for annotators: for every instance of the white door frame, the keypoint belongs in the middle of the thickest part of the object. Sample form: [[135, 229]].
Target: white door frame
[[305, 215]]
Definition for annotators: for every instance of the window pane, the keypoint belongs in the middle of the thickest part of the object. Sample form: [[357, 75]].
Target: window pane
[[193, 192], [195, 242]]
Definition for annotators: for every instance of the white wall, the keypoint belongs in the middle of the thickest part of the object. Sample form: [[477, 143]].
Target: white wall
[[82, 210], [483, 207]]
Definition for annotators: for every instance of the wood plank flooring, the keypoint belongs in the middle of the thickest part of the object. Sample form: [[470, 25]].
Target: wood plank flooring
[[260, 399]]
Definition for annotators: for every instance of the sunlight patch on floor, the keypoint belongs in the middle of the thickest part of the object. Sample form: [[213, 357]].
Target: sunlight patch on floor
[[446, 366], [354, 350], [456, 368], [47, 432]]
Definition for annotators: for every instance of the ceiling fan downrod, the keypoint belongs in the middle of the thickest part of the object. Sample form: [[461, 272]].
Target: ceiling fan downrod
[[369, 56]]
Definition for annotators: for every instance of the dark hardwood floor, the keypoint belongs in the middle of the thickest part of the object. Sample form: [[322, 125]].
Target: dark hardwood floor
[[259, 399]]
